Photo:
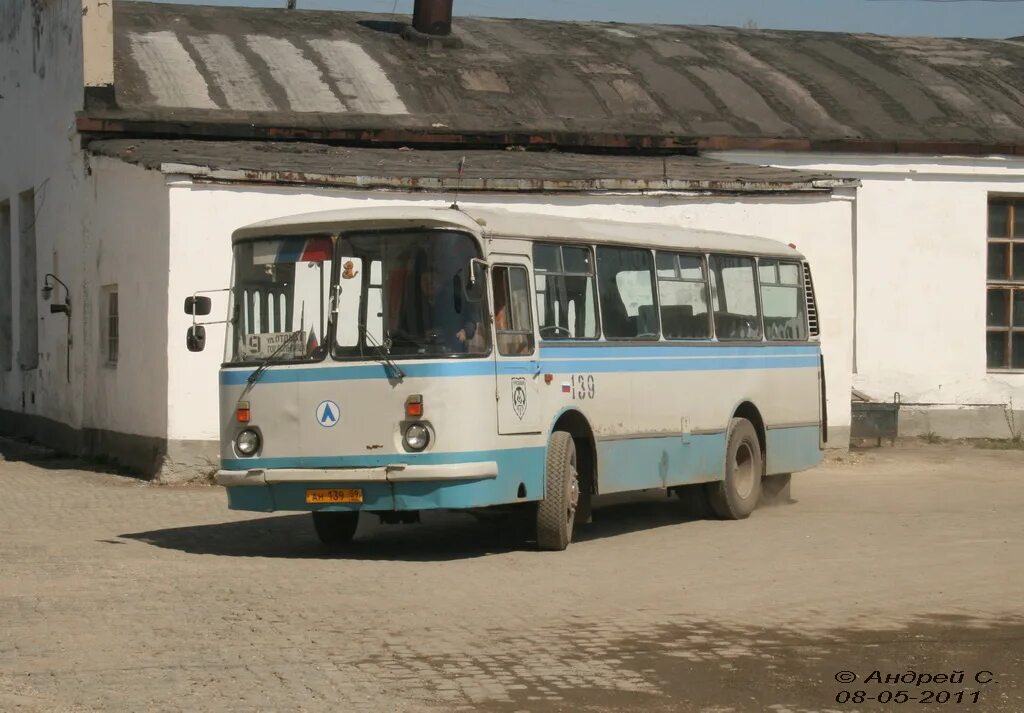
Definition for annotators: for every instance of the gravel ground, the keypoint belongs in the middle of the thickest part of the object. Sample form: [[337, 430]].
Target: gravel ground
[[118, 595]]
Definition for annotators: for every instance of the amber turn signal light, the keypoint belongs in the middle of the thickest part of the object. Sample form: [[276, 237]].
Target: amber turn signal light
[[414, 406], [242, 412]]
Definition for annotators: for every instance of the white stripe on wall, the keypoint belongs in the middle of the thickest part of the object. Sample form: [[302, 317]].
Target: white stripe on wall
[[363, 82], [232, 73], [298, 76], [171, 75]]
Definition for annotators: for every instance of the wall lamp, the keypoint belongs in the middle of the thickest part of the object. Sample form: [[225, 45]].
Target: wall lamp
[[65, 308], [48, 290]]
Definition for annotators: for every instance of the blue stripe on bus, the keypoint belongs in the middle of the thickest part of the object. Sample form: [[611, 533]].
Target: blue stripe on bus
[[515, 466], [601, 362], [624, 465]]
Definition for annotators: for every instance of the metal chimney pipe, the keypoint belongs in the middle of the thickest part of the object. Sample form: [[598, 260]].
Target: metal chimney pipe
[[433, 17]]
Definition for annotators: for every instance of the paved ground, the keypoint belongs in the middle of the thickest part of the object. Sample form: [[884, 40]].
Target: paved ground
[[117, 595]]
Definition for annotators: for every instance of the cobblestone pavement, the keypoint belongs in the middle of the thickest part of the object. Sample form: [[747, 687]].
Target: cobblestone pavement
[[117, 595]]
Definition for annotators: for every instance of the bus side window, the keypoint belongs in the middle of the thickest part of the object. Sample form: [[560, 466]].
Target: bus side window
[[782, 300], [683, 296], [734, 298], [512, 320], [566, 302], [626, 284]]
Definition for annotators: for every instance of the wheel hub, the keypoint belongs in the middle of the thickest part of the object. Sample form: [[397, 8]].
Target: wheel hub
[[743, 471]]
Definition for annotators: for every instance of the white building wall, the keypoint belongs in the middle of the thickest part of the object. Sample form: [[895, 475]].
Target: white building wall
[[921, 252], [125, 243], [204, 216], [97, 222], [41, 85]]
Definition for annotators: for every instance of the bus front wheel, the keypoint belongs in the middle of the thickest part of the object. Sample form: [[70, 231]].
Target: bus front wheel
[[736, 496], [556, 513], [335, 528]]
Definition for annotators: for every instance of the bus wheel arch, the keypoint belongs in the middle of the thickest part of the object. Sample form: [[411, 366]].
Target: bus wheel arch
[[576, 425]]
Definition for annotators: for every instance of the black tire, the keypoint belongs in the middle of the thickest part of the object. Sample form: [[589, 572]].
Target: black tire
[[775, 489], [335, 528], [556, 513], [735, 497]]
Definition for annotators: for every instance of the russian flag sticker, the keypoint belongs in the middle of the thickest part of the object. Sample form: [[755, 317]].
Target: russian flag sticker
[[566, 387]]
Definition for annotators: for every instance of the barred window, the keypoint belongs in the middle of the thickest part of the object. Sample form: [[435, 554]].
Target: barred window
[[111, 330], [1005, 289]]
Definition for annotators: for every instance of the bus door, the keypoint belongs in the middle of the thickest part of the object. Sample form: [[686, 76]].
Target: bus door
[[517, 363]]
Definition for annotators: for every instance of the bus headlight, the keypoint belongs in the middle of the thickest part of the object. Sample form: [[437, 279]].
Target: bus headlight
[[416, 437], [247, 442]]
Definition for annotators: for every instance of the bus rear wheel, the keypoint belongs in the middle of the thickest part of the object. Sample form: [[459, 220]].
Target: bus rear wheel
[[735, 497], [556, 513], [335, 528]]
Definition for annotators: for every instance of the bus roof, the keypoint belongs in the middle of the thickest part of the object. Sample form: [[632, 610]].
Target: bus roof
[[501, 223]]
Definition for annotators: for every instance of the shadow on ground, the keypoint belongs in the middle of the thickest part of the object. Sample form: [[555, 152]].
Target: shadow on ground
[[18, 450], [440, 536]]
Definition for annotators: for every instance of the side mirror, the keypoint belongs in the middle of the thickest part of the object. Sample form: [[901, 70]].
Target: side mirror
[[475, 284], [195, 338], [198, 306]]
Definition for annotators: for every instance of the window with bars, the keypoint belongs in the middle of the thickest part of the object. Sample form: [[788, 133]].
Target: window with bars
[[111, 330], [1005, 314]]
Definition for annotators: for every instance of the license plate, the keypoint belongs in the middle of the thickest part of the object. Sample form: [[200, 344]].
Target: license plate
[[318, 496]]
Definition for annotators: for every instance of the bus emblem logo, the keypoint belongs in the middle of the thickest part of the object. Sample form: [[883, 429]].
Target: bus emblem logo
[[519, 396], [327, 414]]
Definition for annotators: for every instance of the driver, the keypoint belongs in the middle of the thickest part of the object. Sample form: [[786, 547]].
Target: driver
[[439, 312]]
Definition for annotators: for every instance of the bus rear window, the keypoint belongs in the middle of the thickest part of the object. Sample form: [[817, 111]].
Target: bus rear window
[[782, 301]]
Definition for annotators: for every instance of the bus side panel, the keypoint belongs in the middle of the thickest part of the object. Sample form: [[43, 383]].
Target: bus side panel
[[793, 449], [638, 463]]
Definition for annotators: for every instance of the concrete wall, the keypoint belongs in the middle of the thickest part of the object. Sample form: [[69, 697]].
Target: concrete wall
[[96, 222], [203, 217], [41, 85], [921, 229]]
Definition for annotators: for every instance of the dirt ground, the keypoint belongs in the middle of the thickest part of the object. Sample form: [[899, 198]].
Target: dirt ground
[[118, 595]]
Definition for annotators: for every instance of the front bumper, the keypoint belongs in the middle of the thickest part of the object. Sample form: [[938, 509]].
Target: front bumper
[[393, 473]]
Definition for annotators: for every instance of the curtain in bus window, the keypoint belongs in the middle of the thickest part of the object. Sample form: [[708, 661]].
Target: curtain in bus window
[[626, 284], [511, 287], [782, 301], [682, 294], [734, 298], [566, 303]]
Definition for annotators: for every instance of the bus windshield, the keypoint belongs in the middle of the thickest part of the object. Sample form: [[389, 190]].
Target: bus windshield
[[408, 293], [280, 296]]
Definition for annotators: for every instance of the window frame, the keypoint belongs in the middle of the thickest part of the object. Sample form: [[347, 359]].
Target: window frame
[[531, 306], [801, 295], [592, 250], [654, 290], [703, 257], [755, 258], [1008, 282]]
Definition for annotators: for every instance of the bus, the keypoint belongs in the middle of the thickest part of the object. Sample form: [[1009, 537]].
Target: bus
[[403, 359]]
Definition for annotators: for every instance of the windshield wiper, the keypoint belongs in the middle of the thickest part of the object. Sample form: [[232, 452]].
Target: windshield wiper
[[265, 364], [382, 353]]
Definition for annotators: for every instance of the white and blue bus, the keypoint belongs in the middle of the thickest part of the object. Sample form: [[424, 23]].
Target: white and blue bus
[[396, 360]]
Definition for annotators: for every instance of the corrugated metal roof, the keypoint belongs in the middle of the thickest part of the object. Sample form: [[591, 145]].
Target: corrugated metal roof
[[347, 73], [519, 171]]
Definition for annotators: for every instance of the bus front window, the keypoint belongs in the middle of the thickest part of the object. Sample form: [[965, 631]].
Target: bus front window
[[280, 294], [409, 294]]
